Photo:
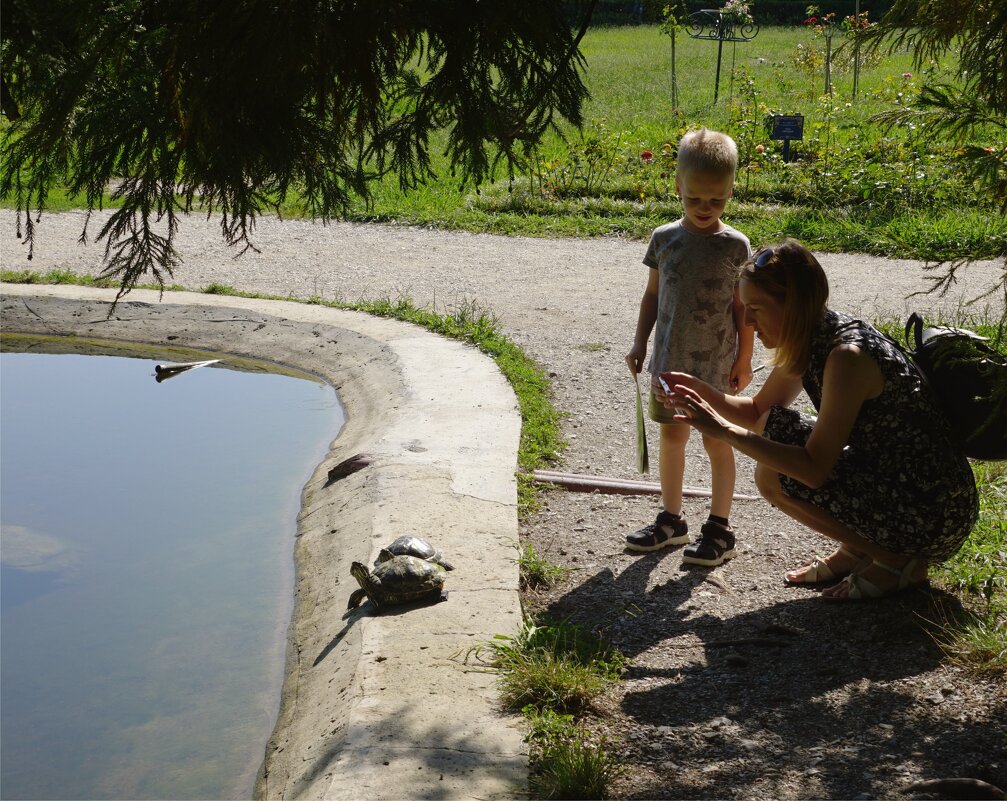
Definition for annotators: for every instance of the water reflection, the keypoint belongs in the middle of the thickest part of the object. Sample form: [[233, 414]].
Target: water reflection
[[147, 538]]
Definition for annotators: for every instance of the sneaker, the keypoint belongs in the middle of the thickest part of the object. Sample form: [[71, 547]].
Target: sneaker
[[665, 530], [714, 546]]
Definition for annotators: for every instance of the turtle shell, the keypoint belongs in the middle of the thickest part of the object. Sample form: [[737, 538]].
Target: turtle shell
[[413, 546], [399, 580]]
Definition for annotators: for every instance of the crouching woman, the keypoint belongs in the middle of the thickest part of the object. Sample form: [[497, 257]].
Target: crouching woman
[[875, 471]]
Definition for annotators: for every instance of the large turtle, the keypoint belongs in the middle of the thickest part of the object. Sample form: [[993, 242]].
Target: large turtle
[[399, 580], [413, 546]]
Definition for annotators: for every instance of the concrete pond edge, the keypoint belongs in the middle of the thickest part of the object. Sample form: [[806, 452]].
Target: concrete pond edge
[[373, 705]]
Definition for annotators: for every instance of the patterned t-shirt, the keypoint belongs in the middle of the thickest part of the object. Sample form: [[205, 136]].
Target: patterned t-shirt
[[695, 331]]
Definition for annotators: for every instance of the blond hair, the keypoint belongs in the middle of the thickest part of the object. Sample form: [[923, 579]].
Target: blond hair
[[707, 151], [792, 276]]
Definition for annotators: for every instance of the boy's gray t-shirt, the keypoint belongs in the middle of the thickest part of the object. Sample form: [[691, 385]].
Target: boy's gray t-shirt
[[695, 331]]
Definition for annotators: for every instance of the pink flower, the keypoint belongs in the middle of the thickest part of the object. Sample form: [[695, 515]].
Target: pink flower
[[907, 75], [989, 150], [647, 156], [760, 148]]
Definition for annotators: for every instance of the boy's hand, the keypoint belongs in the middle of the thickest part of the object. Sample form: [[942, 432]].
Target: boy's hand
[[635, 358], [741, 374]]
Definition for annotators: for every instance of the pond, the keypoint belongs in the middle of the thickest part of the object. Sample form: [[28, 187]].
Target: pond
[[147, 570]]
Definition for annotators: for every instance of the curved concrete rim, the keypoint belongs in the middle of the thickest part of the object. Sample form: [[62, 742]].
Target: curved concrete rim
[[373, 706]]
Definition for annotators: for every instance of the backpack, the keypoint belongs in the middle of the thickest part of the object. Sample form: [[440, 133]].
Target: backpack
[[969, 379]]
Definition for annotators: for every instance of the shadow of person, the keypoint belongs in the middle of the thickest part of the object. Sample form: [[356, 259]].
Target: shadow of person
[[838, 696], [788, 653], [612, 605]]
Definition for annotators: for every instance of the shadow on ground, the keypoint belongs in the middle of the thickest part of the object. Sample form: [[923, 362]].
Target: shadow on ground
[[797, 698]]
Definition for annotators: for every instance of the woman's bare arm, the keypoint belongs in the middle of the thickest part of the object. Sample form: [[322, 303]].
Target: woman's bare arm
[[851, 377], [780, 389]]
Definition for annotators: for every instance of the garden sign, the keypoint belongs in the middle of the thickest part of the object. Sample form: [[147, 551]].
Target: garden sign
[[787, 127]]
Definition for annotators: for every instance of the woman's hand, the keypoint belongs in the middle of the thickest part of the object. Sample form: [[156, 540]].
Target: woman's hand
[[703, 389], [690, 408]]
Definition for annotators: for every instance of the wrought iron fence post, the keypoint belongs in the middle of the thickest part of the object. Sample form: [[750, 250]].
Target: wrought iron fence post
[[713, 24]]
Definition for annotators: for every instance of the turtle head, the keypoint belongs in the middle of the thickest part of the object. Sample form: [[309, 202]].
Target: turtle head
[[360, 572]]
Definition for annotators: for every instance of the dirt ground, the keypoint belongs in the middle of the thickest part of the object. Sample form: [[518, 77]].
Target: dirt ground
[[738, 687]]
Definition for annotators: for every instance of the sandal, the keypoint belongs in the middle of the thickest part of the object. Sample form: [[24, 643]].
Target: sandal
[[860, 589], [818, 571]]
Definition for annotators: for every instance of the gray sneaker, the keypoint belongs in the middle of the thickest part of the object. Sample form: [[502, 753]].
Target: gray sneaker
[[664, 531]]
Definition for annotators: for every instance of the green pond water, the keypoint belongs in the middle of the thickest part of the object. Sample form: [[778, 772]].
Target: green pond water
[[147, 571]]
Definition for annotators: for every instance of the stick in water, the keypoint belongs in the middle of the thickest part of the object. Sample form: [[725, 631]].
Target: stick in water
[[162, 372]]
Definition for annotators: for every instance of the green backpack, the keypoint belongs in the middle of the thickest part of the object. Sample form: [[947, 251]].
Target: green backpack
[[969, 379]]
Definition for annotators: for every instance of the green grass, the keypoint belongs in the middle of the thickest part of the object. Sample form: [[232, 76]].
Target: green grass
[[551, 666], [551, 672], [537, 571], [853, 187], [568, 762], [977, 574]]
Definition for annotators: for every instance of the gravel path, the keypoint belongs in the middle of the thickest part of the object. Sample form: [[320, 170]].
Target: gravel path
[[738, 687]]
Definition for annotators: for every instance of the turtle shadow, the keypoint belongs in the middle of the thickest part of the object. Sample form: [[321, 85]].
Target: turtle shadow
[[367, 609], [338, 638]]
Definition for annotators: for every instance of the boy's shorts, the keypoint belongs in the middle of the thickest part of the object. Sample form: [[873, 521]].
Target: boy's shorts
[[660, 413]]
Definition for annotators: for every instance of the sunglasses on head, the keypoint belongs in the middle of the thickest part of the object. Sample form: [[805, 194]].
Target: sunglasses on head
[[763, 258]]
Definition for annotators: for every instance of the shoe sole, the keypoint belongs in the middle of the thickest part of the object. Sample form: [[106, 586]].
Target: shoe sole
[[695, 560], [647, 548]]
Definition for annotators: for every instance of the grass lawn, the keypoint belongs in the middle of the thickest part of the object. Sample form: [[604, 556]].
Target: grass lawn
[[851, 186]]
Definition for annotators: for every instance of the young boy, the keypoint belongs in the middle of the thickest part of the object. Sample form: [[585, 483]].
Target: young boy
[[691, 294]]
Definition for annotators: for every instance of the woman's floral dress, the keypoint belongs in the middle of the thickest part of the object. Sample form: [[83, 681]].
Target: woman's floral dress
[[899, 483]]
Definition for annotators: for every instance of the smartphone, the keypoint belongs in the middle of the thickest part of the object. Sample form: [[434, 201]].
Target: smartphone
[[664, 385]]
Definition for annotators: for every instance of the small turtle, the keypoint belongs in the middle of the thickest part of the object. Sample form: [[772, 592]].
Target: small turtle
[[399, 580], [413, 546]]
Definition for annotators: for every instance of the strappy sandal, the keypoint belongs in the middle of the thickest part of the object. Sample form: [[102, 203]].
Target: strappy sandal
[[819, 573], [860, 589]]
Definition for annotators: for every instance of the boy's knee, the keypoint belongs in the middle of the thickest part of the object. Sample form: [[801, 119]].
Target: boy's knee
[[675, 433], [717, 447]]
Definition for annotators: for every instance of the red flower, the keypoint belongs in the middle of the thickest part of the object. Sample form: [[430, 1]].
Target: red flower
[[647, 156]]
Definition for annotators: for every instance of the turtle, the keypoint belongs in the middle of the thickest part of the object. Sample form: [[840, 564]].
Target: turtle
[[413, 546], [399, 580]]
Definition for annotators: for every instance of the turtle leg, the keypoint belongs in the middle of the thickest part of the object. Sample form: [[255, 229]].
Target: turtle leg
[[356, 598]]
